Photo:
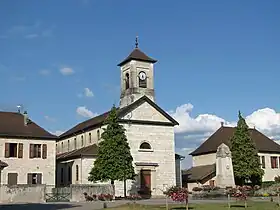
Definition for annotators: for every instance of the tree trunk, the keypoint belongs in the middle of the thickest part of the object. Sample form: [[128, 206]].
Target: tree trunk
[[113, 187], [124, 188]]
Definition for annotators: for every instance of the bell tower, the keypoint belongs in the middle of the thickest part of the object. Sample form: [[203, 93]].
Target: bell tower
[[137, 76]]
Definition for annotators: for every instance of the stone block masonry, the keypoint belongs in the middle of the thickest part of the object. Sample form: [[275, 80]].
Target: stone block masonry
[[22, 193]]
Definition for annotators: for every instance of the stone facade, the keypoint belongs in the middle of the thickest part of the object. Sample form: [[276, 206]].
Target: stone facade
[[24, 165], [162, 153], [224, 168], [134, 92]]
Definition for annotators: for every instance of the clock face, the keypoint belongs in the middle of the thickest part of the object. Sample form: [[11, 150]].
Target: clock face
[[142, 75]]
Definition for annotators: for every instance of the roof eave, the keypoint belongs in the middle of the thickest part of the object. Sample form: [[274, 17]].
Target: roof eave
[[29, 136], [136, 59]]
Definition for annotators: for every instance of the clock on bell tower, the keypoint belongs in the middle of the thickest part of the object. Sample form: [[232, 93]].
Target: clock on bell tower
[[137, 77]]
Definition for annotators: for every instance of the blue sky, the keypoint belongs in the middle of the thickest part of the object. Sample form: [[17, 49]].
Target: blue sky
[[215, 57]]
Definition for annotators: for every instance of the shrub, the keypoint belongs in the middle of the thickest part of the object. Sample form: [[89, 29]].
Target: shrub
[[134, 197], [179, 194], [277, 179], [267, 184], [216, 188], [206, 188], [197, 189]]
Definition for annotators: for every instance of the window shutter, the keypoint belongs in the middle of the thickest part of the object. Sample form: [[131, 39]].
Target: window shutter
[[29, 178], [31, 151], [39, 178], [20, 150], [7, 150], [12, 178], [44, 151]]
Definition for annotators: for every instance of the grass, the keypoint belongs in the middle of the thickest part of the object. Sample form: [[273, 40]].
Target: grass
[[234, 206]]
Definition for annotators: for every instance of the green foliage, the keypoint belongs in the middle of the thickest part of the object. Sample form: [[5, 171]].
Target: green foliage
[[114, 160], [277, 179], [245, 159]]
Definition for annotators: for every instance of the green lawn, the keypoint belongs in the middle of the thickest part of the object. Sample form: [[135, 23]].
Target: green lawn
[[235, 206]]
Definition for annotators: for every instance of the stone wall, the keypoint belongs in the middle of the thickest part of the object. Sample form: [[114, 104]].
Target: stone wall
[[77, 191], [22, 193]]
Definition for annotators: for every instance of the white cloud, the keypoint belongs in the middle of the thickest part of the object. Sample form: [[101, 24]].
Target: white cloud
[[66, 71], [192, 131], [84, 112], [29, 31], [88, 92], [202, 123], [50, 119], [44, 72], [58, 132]]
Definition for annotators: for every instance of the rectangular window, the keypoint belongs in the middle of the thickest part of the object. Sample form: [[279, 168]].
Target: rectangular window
[[61, 175], [274, 162], [38, 151], [12, 178], [13, 150], [77, 173], [69, 174], [263, 161], [34, 178], [143, 83]]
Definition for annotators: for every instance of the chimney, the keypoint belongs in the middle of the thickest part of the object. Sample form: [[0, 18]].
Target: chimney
[[222, 124], [25, 117]]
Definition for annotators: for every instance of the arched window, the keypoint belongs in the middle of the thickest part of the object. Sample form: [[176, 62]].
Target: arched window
[[145, 145], [75, 143], [89, 136], [98, 134], [82, 141], [126, 80], [68, 145]]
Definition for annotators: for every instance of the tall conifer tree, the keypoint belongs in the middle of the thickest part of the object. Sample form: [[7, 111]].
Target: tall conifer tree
[[245, 159], [114, 160]]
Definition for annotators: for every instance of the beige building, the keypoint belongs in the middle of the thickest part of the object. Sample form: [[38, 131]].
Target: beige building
[[27, 151], [204, 170], [149, 130]]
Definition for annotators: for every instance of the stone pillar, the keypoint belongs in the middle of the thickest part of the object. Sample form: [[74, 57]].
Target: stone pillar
[[224, 168]]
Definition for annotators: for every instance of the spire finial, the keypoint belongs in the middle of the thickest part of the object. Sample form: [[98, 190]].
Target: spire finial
[[136, 42]]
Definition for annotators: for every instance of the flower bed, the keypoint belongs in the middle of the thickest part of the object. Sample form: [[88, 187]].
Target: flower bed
[[101, 197]]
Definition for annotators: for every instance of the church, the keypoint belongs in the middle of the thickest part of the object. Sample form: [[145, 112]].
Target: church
[[149, 130]]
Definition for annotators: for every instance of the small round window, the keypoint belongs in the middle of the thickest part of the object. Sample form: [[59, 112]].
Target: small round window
[[145, 145]]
